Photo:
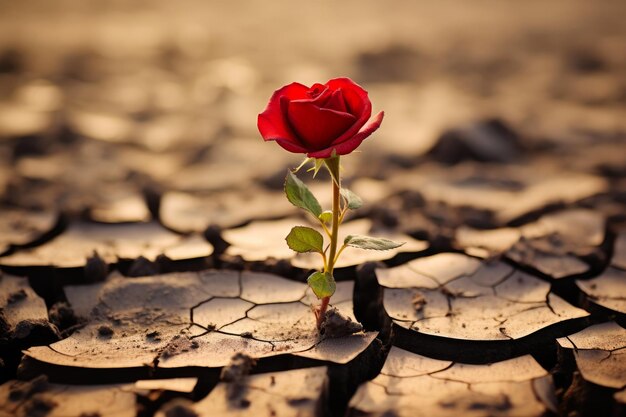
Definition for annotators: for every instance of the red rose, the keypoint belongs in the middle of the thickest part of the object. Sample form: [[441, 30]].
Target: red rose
[[321, 121]]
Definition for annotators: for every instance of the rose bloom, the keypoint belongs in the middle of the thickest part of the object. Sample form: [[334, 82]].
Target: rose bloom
[[320, 121]]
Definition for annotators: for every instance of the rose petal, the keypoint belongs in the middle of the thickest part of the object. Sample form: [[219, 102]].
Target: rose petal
[[317, 127], [272, 122], [351, 144], [319, 100], [358, 104], [316, 89], [355, 96], [327, 99], [337, 102], [290, 146], [321, 112]]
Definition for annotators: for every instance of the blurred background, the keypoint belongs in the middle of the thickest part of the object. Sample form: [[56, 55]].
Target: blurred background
[[105, 107]]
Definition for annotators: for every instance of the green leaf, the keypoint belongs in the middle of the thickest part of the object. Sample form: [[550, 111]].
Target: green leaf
[[373, 243], [353, 200], [322, 284], [299, 195], [304, 239], [326, 216]]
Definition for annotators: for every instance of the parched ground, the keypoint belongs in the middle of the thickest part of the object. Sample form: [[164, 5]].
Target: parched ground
[[142, 222]]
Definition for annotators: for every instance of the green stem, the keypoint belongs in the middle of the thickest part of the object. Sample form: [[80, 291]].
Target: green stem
[[333, 168], [335, 229]]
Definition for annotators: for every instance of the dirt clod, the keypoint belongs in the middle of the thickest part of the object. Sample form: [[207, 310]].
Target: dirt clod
[[105, 331], [62, 315], [96, 269], [336, 324], [239, 367], [177, 345], [153, 336], [142, 267], [235, 374], [35, 331], [487, 141]]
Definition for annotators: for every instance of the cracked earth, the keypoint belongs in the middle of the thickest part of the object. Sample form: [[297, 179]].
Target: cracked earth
[[143, 268]]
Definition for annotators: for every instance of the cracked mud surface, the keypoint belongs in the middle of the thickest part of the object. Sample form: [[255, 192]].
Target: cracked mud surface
[[455, 296], [599, 352], [57, 400], [414, 385], [298, 392], [608, 289], [111, 242], [188, 212], [197, 319], [21, 227], [142, 220], [553, 245]]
